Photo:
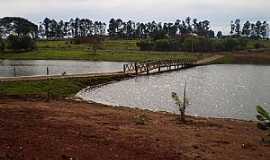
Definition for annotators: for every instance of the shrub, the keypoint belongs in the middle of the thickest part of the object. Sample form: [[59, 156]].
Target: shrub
[[191, 44], [181, 104], [264, 118], [218, 45], [258, 45], [18, 43], [230, 44], [145, 45]]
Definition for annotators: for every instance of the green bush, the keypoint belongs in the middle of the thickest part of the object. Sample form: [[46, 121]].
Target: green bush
[[231, 44], [195, 43], [198, 44], [165, 45], [145, 45], [190, 44], [264, 124], [218, 45], [19, 43]]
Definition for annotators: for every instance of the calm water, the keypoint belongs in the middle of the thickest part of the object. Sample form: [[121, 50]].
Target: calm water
[[39, 67], [230, 91]]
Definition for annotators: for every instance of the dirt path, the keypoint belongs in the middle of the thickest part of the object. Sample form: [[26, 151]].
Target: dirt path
[[209, 60], [62, 130]]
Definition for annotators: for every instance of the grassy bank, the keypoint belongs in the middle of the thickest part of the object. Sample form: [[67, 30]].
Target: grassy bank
[[260, 58], [56, 88], [122, 50]]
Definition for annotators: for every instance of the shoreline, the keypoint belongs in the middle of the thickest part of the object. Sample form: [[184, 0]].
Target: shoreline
[[51, 130]]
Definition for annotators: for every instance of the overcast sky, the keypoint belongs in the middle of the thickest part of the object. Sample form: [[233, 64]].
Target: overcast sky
[[219, 12]]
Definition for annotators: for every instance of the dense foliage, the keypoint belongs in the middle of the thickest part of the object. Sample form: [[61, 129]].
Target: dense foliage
[[194, 44], [20, 43], [257, 30], [17, 26]]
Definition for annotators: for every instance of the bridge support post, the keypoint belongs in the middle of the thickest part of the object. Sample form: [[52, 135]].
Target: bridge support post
[[136, 68], [147, 69], [124, 68]]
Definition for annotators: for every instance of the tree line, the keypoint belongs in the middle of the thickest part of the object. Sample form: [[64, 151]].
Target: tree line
[[51, 29], [255, 30], [158, 30], [119, 29], [188, 34]]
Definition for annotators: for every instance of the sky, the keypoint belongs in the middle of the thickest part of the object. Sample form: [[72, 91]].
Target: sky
[[218, 12]]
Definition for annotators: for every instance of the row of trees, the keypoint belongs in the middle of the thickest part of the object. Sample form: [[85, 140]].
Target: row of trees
[[51, 29], [117, 28], [256, 30], [130, 30]]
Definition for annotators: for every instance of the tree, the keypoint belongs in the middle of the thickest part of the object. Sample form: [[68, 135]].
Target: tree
[[112, 28], [20, 43], [264, 29], [182, 104], [46, 24], [219, 35], [237, 27], [2, 45], [18, 26], [246, 29], [258, 27], [232, 27]]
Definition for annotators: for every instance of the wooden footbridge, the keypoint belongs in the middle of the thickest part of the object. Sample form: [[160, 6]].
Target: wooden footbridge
[[157, 66], [165, 65]]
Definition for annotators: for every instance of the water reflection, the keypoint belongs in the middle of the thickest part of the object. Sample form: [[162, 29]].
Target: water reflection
[[216, 91]]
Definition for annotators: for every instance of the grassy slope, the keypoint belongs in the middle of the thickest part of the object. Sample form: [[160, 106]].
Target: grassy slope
[[58, 88]]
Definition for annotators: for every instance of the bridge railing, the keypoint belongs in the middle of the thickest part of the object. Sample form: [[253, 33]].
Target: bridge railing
[[147, 66]]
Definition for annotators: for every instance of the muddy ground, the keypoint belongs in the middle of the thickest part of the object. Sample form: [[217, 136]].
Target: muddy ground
[[39, 130]]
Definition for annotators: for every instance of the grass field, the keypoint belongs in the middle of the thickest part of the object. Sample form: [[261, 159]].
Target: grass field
[[111, 50]]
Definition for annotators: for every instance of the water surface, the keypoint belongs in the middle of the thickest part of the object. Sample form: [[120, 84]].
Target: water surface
[[230, 91], [11, 68]]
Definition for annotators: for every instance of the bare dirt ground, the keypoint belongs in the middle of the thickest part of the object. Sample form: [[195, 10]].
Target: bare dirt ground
[[37, 130]]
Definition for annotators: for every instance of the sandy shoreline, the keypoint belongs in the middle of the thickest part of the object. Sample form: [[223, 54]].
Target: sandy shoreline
[[62, 129]]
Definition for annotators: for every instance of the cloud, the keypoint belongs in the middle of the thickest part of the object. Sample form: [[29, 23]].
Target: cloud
[[219, 12]]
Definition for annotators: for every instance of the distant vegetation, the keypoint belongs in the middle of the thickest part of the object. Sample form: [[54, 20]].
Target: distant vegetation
[[19, 33], [190, 35]]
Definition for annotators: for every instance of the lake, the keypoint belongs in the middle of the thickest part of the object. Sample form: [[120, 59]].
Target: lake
[[223, 91], [56, 67]]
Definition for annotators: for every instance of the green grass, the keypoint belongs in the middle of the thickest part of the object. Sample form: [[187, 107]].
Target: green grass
[[100, 55], [111, 50], [57, 88]]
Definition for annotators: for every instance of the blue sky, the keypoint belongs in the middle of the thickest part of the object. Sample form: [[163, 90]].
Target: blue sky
[[219, 12]]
